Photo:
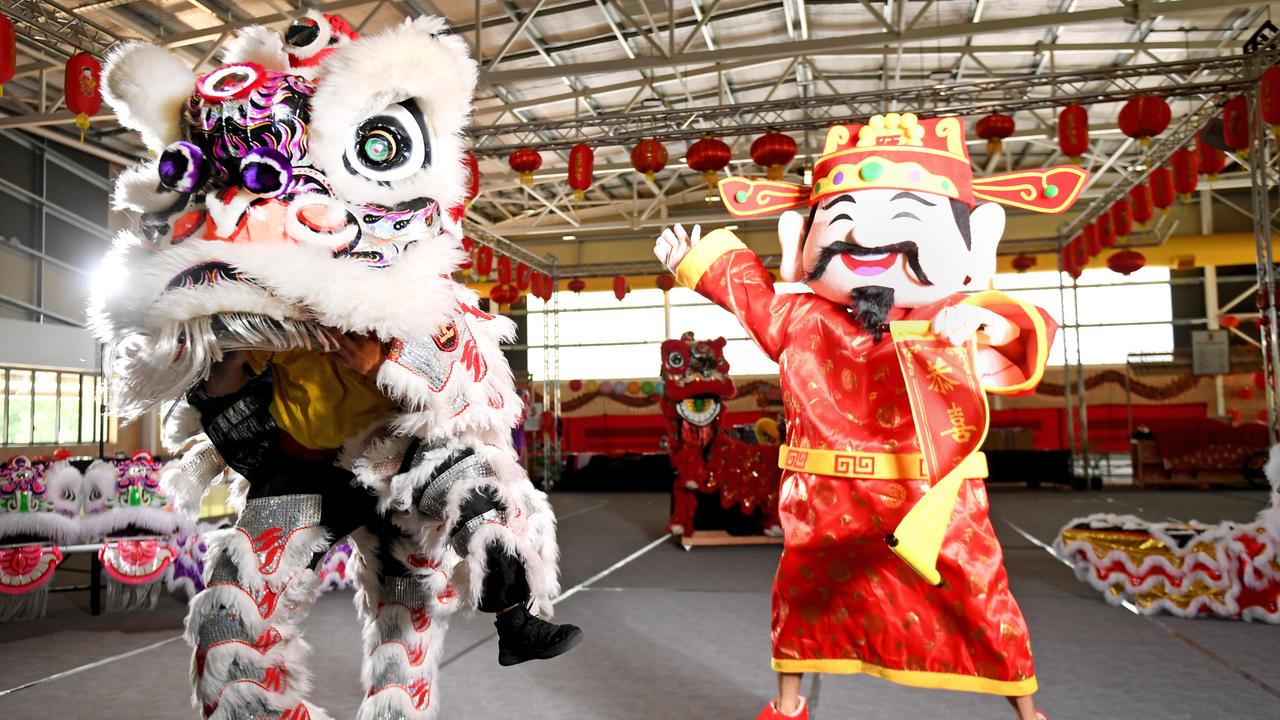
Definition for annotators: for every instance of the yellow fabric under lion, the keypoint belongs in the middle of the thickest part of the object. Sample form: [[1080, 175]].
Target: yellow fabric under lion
[[318, 400]]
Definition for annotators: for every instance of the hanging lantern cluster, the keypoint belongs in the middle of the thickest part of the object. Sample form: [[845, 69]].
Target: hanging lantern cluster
[[1212, 160], [994, 128], [773, 151], [1073, 132], [1186, 172], [649, 157], [514, 279], [1144, 116], [525, 161], [83, 89], [581, 169], [709, 156], [1235, 125], [8, 51]]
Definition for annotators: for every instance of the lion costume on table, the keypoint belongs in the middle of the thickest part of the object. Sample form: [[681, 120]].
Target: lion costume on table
[[306, 195]]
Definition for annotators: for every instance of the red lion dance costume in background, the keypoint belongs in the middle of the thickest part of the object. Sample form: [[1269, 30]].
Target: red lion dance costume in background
[[884, 378], [695, 387], [290, 286]]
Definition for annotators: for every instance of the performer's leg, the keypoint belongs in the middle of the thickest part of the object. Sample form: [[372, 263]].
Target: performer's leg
[[1024, 707], [789, 705], [402, 641], [522, 636]]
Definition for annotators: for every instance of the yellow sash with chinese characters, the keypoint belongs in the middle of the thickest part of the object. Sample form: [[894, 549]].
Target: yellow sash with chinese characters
[[949, 407]]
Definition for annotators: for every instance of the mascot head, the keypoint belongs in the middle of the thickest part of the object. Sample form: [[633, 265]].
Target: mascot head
[[302, 188], [892, 217], [695, 379]]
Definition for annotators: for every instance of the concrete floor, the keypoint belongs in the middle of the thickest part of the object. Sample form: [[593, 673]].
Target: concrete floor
[[671, 634]]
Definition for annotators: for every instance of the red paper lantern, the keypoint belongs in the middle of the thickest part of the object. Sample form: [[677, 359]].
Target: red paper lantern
[[649, 157], [709, 156], [523, 278], [504, 269], [1186, 172], [484, 261], [581, 166], [1070, 265], [1244, 393], [1162, 195], [1126, 262], [468, 245], [575, 385], [1212, 160], [1073, 132], [1122, 217], [1229, 321], [620, 286], [82, 88], [1235, 125], [1081, 252], [1259, 379], [1144, 117], [504, 294], [1269, 98], [1090, 242], [1106, 231], [1140, 197], [1023, 263], [994, 128], [536, 280], [1262, 416], [525, 161], [773, 151], [665, 282], [577, 285], [473, 178], [8, 52], [550, 287]]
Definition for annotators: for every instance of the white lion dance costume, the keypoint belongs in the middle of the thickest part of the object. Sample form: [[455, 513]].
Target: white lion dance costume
[[305, 194]]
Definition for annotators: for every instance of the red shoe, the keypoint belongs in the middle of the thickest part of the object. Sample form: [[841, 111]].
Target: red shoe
[[772, 713]]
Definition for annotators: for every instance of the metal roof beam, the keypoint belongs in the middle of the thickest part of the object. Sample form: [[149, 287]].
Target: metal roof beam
[[877, 39]]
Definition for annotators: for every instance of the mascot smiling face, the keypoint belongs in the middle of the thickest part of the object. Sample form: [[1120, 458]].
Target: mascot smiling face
[[892, 218], [289, 201]]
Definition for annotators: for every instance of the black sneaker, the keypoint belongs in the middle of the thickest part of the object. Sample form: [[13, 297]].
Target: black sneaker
[[522, 637]]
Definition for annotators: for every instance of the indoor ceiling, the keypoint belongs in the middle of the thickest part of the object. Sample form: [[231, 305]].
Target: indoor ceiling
[[607, 72]]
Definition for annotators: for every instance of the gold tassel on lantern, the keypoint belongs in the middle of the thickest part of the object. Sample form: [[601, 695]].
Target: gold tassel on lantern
[[82, 122]]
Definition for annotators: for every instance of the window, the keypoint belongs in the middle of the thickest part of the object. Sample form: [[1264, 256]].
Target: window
[[48, 407], [604, 339], [1118, 315]]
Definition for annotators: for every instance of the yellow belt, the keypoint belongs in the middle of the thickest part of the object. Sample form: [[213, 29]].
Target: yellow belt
[[869, 465]]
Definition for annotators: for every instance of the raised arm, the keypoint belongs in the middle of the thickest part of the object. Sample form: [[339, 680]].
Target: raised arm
[[722, 269]]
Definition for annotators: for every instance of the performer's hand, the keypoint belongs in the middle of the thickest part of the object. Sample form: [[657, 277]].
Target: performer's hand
[[361, 353], [228, 374], [958, 323], [674, 243]]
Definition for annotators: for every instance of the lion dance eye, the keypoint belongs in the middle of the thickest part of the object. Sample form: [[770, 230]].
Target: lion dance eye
[[391, 145]]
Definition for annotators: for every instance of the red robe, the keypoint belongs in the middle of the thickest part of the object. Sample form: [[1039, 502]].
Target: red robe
[[842, 601]]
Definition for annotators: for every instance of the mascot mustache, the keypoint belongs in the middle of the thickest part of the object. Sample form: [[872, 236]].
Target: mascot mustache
[[906, 248]]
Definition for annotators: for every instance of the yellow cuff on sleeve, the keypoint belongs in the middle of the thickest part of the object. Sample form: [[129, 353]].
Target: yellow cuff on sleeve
[[702, 255], [990, 299]]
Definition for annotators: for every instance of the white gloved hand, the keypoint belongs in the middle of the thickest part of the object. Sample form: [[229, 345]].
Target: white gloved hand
[[674, 243]]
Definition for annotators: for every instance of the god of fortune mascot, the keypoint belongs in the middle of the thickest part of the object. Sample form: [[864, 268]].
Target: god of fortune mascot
[[884, 369], [289, 284]]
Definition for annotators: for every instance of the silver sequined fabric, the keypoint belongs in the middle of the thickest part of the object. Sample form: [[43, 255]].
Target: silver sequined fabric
[[462, 536], [221, 625], [287, 512], [224, 571], [434, 499], [201, 465], [404, 591], [426, 357]]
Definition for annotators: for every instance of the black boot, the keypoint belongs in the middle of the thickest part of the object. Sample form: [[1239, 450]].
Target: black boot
[[522, 637]]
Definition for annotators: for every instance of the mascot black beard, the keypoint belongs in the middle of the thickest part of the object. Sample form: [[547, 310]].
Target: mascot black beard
[[289, 287]]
